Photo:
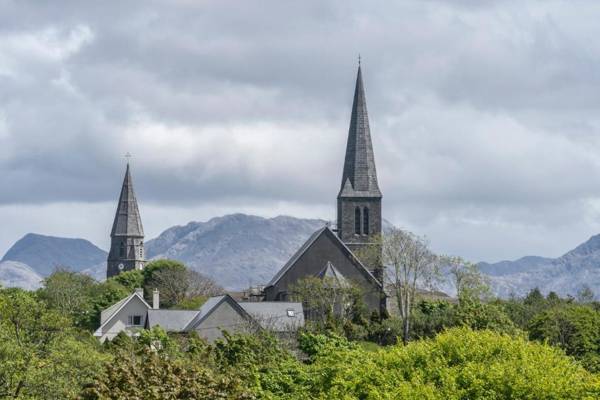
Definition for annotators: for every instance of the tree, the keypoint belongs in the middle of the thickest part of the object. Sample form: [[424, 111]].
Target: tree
[[574, 328], [80, 297], [41, 355], [327, 300], [467, 278], [68, 292], [176, 283], [130, 279], [409, 263], [585, 294]]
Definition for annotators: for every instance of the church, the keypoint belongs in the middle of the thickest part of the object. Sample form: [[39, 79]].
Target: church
[[329, 252]]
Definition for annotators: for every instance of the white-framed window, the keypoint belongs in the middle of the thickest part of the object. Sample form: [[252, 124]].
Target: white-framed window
[[291, 313], [134, 320]]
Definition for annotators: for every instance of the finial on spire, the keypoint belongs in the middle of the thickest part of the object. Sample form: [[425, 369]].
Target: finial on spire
[[127, 156], [359, 59]]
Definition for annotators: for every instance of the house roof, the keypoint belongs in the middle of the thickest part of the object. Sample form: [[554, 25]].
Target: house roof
[[170, 320], [359, 178], [127, 218], [277, 316], [115, 308], [209, 306], [323, 231]]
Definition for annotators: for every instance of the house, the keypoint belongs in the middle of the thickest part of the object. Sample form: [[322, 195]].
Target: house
[[128, 315], [217, 314]]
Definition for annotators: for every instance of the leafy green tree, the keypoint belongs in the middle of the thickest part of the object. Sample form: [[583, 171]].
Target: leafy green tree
[[574, 328], [329, 303], [458, 364], [176, 283], [41, 355], [478, 315], [152, 376], [130, 279], [68, 292]]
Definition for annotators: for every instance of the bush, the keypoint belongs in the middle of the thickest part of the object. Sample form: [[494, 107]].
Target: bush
[[574, 328], [458, 364]]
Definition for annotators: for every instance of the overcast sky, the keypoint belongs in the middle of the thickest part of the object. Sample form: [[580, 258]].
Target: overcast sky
[[485, 115]]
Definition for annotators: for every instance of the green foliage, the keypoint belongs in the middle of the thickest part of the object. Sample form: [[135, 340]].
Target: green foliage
[[193, 303], [41, 354], [458, 364], [432, 317], [151, 376], [157, 265], [574, 328], [130, 279], [80, 297], [480, 315]]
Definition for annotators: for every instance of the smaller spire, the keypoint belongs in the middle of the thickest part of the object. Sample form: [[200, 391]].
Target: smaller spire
[[127, 218]]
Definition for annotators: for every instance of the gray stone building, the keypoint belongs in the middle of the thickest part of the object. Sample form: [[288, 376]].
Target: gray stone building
[[359, 221], [127, 235]]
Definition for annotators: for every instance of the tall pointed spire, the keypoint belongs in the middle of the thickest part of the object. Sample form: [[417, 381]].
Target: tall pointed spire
[[127, 219], [359, 218], [360, 175], [127, 234]]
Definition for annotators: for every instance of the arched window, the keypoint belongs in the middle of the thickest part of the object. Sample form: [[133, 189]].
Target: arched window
[[357, 220], [365, 221], [122, 250]]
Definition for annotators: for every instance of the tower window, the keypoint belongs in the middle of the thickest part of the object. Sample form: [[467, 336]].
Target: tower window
[[122, 250], [141, 252], [357, 220], [366, 221]]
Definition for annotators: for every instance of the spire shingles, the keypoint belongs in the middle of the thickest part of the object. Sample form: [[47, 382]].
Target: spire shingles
[[360, 176], [127, 219]]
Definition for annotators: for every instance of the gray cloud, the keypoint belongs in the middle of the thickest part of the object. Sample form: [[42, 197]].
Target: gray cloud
[[484, 114]]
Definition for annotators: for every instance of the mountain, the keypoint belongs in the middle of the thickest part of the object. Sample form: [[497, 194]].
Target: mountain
[[565, 275], [44, 253], [236, 250], [16, 274]]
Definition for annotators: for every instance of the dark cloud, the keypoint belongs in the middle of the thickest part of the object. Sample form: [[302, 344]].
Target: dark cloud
[[484, 114]]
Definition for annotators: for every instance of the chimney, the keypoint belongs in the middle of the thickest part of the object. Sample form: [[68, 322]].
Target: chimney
[[155, 299], [140, 292]]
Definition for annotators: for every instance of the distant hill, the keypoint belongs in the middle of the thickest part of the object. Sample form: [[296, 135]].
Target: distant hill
[[235, 250], [565, 275], [44, 253], [238, 250], [16, 274]]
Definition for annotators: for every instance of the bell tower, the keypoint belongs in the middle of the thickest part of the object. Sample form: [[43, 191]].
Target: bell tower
[[359, 217], [127, 235]]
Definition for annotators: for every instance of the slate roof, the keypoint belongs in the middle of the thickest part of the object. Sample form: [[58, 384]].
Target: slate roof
[[325, 230], [335, 277], [210, 305], [170, 320], [359, 178], [274, 316], [127, 218]]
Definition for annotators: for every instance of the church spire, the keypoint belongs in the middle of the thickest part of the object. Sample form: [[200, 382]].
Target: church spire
[[127, 218], [359, 219], [359, 178], [127, 234]]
